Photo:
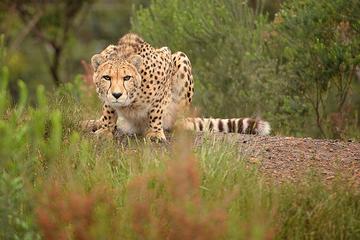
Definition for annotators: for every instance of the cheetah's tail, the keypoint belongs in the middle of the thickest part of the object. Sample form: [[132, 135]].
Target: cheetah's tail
[[233, 125]]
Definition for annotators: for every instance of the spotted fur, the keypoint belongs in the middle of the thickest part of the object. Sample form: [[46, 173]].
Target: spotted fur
[[160, 85], [147, 88]]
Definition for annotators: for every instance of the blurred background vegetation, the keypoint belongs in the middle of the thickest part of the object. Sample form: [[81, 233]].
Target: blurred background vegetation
[[295, 63]]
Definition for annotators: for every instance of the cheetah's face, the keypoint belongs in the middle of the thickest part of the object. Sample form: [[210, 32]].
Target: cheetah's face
[[117, 80]]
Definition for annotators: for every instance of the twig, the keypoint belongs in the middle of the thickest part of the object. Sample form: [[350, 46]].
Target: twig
[[28, 28]]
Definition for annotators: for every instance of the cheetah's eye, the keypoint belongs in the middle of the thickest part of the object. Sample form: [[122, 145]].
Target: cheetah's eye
[[127, 78], [107, 77]]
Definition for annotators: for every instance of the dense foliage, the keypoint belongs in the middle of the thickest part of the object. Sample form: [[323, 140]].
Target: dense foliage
[[320, 45], [298, 71]]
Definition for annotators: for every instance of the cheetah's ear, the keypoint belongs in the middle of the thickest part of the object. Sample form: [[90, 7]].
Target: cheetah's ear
[[96, 60], [136, 60]]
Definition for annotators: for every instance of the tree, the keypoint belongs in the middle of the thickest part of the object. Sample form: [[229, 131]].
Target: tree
[[320, 44], [49, 21]]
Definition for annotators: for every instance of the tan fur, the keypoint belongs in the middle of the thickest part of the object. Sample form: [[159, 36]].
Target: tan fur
[[160, 85], [155, 86]]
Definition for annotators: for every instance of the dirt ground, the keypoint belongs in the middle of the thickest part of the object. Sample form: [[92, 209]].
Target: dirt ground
[[286, 159], [290, 158]]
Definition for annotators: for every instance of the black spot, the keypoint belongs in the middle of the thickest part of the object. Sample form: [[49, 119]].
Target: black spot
[[220, 126], [201, 126], [240, 125], [251, 126], [229, 125]]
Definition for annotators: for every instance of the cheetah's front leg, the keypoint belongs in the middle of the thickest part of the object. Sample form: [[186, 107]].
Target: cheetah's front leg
[[155, 131], [107, 122]]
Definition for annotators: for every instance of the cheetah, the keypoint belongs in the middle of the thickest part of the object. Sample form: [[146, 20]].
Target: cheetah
[[147, 88]]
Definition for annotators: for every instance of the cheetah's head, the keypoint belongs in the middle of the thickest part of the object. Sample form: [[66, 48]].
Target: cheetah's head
[[117, 80]]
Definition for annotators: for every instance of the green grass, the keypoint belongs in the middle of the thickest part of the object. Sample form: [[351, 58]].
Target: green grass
[[59, 183]]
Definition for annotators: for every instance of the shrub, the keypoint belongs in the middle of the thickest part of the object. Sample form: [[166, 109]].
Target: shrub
[[318, 42]]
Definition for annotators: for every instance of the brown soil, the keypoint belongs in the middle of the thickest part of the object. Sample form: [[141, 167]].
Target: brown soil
[[290, 158]]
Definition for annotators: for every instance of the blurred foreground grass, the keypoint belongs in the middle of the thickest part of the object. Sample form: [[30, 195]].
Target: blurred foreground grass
[[59, 183]]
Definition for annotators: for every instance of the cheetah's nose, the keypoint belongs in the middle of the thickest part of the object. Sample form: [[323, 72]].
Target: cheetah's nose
[[117, 95]]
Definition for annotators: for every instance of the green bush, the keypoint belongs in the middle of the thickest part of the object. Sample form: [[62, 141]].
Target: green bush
[[15, 209], [31, 139], [319, 43]]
